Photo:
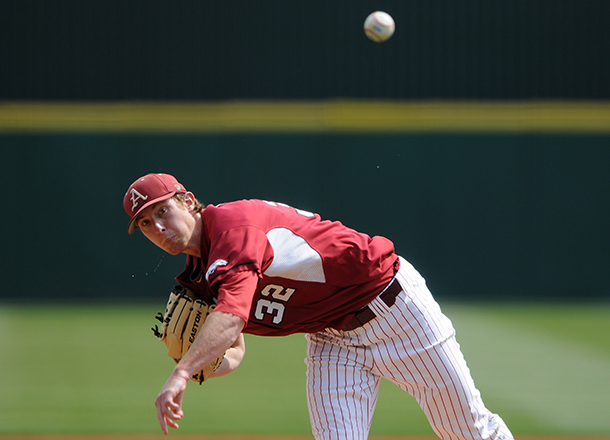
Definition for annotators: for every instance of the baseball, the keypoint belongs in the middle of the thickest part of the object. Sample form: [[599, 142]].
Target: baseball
[[379, 26]]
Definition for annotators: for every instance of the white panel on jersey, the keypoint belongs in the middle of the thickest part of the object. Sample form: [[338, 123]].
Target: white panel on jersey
[[293, 257]]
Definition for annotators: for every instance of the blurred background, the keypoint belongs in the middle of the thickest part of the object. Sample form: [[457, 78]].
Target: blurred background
[[499, 191], [477, 139], [201, 50]]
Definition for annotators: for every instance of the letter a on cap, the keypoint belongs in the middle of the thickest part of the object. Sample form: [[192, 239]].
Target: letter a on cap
[[135, 196]]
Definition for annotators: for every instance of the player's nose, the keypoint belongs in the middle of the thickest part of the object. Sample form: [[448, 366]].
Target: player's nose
[[158, 227]]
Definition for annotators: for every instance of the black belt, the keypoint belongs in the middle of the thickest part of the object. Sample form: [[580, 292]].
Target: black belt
[[365, 314]]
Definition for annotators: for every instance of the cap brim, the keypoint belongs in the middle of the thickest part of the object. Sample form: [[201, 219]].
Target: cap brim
[[131, 227]]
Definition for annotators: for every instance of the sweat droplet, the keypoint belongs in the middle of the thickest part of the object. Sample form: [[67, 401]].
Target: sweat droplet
[[159, 263]]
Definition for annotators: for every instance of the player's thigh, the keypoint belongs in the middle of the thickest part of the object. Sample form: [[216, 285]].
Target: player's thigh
[[440, 381], [341, 390]]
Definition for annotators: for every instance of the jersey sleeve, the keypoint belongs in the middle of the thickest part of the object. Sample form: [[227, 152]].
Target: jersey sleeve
[[236, 292], [235, 250]]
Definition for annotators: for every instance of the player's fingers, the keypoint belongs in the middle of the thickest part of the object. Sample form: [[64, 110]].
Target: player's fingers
[[167, 412], [161, 418], [174, 409], [178, 402], [169, 401], [167, 418], [172, 424]]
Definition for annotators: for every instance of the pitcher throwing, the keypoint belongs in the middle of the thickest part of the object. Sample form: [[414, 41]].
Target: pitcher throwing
[[275, 270]]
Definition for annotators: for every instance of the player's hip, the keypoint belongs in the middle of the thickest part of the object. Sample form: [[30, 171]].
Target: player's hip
[[414, 317]]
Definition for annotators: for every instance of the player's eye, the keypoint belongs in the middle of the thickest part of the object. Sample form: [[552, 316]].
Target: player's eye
[[143, 223]]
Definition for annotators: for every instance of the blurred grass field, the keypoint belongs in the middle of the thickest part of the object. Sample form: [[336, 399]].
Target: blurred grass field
[[97, 369]]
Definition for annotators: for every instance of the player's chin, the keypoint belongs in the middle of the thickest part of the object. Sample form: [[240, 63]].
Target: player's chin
[[172, 246], [172, 250]]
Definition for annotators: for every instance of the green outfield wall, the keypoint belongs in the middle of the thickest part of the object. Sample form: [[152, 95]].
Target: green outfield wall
[[477, 138], [315, 49], [498, 216]]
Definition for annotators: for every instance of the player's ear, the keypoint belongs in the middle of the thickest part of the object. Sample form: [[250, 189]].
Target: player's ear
[[189, 201]]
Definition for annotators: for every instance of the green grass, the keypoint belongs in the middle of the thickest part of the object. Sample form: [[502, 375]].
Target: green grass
[[544, 368], [587, 325]]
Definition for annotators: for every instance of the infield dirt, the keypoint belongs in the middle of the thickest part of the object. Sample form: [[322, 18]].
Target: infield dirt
[[259, 437]]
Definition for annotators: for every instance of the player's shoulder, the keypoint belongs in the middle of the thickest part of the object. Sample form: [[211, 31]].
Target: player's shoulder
[[239, 207], [236, 213], [234, 208], [254, 212]]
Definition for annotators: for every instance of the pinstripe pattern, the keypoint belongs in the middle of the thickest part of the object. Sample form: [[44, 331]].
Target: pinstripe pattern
[[411, 344]]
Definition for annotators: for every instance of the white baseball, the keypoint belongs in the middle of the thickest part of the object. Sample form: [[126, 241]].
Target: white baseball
[[379, 26]]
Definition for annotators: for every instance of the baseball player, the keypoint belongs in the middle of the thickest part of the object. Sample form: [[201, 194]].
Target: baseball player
[[275, 270]]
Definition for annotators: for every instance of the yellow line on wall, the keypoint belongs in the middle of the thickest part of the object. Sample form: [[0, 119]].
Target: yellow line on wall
[[305, 116]]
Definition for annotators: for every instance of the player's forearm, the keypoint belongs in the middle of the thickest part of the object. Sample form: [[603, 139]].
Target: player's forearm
[[220, 332], [232, 359]]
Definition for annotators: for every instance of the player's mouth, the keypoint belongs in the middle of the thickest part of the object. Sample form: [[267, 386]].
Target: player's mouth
[[168, 242]]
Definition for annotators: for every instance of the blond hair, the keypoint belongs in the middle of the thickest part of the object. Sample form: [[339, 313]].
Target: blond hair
[[179, 197]]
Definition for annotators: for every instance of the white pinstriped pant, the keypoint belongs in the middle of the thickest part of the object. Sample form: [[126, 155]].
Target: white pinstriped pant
[[411, 344]]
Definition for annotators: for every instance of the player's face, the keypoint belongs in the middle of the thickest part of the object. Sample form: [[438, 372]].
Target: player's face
[[169, 224]]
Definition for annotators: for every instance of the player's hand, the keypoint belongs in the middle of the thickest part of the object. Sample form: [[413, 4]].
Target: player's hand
[[169, 400]]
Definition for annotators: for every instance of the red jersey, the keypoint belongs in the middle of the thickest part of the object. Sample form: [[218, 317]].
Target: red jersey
[[312, 273]]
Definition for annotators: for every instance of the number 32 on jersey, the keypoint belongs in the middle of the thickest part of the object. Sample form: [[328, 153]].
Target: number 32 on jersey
[[273, 302]]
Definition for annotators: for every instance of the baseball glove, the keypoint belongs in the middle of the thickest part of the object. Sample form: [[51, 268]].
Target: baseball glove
[[184, 316]]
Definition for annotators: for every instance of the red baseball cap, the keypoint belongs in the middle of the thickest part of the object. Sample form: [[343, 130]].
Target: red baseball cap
[[146, 191]]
